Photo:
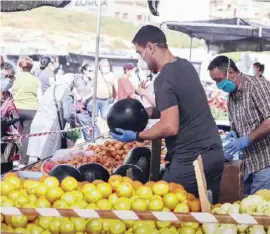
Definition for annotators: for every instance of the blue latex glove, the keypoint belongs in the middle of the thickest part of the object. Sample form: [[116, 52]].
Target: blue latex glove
[[236, 146], [231, 134], [124, 135]]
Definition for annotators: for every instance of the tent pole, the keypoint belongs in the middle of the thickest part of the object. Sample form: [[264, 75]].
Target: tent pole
[[96, 68], [260, 38], [190, 48]]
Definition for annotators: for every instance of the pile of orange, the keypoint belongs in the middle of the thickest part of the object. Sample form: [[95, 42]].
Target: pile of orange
[[120, 193]]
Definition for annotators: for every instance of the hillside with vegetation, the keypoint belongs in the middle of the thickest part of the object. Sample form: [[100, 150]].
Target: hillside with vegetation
[[67, 30]]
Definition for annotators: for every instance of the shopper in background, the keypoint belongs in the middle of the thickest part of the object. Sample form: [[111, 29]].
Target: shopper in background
[[55, 111], [46, 75], [8, 108], [106, 88], [125, 87], [146, 91], [185, 121], [83, 89], [9, 114], [106, 93], [258, 69], [7, 79], [27, 95], [249, 115], [83, 86]]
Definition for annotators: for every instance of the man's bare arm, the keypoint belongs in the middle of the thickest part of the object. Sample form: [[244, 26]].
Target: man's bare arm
[[262, 131]]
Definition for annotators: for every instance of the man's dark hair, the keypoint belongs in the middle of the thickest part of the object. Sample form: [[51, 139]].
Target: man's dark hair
[[221, 62], [128, 67], [150, 33], [8, 70], [260, 66], [84, 67], [44, 62]]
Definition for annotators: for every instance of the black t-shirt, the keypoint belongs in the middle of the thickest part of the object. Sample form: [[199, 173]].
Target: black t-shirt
[[179, 84]]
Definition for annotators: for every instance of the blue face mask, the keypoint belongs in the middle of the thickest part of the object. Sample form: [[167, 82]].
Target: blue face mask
[[6, 84], [227, 86]]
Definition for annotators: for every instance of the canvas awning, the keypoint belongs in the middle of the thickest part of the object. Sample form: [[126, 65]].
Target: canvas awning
[[230, 33]]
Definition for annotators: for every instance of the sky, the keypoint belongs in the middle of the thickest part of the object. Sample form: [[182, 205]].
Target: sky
[[184, 10]]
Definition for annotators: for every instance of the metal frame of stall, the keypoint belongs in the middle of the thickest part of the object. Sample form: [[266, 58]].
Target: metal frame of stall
[[256, 31]]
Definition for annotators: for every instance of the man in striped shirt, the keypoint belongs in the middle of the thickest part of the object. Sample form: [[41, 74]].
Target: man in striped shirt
[[249, 115]]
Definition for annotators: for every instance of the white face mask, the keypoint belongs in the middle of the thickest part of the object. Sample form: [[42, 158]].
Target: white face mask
[[141, 63], [254, 71], [105, 70], [6, 84]]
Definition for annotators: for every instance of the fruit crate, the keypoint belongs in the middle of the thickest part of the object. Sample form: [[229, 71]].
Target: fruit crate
[[110, 154], [178, 215]]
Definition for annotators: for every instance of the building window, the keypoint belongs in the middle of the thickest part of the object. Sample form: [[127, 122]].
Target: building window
[[125, 15]]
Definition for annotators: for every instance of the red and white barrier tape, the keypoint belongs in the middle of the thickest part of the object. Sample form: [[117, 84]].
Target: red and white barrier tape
[[17, 137], [147, 215]]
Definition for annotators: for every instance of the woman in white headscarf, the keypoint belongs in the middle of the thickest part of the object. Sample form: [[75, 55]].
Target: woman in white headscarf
[[55, 111]]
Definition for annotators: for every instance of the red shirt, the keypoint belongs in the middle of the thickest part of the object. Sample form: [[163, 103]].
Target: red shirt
[[125, 89]]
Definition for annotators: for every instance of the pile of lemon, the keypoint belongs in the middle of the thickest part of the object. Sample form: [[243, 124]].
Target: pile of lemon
[[119, 193]]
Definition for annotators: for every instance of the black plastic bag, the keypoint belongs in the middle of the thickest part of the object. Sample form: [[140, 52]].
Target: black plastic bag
[[140, 157], [128, 114], [63, 171], [94, 171], [136, 172]]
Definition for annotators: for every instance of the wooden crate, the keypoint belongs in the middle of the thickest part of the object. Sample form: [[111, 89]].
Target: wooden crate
[[232, 187]]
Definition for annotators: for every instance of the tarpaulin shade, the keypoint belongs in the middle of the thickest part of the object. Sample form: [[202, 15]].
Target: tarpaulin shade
[[221, 30]]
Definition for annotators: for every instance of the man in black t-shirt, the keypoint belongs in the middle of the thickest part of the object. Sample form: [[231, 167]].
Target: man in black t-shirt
[[186, 122]]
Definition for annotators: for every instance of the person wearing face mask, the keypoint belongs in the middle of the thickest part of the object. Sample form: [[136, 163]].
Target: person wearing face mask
[[258, 70], [83, 90], [46, 75], [185, 122], [249, 115], [106, 88], [9, 114], [83, 87], [7, 79]]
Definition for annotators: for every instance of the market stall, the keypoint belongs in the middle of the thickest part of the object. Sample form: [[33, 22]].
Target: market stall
[[39, 199]]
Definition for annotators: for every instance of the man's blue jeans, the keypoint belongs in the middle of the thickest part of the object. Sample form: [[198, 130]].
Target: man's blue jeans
[[102, 107], [256, 181]]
